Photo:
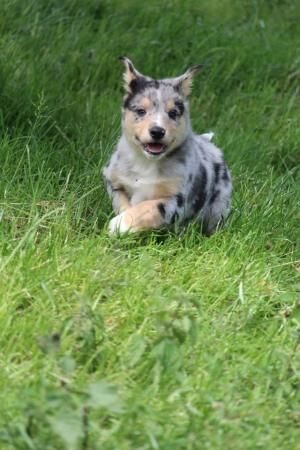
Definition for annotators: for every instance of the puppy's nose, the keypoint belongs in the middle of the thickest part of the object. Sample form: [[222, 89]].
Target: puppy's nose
[[157, 133]]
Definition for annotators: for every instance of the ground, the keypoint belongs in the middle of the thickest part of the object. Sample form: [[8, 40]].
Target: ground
[[167, 340]]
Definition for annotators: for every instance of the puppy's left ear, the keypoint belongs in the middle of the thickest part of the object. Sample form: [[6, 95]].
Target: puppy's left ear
[[130, 75], [185, 81]]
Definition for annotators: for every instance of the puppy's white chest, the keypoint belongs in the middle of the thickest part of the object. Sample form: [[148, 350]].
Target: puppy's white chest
[[140, 187]]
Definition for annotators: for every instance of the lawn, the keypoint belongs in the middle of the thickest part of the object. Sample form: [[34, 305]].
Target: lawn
[[165, 340]]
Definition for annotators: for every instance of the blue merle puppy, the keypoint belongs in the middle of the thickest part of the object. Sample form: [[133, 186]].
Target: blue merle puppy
[[161, 171]]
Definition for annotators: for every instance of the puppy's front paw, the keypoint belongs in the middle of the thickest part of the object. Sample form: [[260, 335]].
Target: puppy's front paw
[[119, 224]]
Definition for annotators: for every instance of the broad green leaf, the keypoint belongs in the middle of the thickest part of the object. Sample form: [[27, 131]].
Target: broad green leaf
[[104, 395], [67, 365], [68, 426], [135, 349]]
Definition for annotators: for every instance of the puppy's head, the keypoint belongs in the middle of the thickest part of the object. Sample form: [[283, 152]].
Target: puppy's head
[[155, 116]]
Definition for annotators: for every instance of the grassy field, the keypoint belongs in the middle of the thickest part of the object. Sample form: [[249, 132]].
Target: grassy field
[[166, 340]]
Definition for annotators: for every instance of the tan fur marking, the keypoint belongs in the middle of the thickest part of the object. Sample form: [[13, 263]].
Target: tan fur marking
[[146, 102], [120, 201], [166, 189], [139, 129], [144, 216], [186, 86], [128, 77], [170, 104], [187, 79]]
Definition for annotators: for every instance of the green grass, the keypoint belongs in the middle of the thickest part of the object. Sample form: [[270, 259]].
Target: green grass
[[167, 340]]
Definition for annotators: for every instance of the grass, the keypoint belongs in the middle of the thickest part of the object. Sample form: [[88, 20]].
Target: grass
[[167, 340]]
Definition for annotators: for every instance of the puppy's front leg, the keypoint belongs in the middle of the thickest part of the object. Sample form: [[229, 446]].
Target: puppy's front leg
[[120, 201], [150, 214]]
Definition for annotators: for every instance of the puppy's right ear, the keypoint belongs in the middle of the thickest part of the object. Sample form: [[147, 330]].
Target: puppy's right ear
[[131, 75]]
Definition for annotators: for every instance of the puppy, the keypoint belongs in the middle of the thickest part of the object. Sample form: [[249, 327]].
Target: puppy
[[162, 172]]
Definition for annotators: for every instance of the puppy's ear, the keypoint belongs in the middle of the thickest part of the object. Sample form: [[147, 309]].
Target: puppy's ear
[[185, 81], [131, 75]]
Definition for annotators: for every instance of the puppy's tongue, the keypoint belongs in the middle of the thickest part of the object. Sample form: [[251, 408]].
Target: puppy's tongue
[[155, 148]]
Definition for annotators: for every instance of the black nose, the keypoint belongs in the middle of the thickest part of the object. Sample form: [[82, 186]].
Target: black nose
[[157, 133]]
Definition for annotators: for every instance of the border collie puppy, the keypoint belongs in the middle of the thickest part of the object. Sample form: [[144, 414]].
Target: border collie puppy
[[161, 171]]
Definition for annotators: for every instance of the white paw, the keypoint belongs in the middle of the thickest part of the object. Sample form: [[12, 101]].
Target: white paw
[[119, 225], [209, 136]]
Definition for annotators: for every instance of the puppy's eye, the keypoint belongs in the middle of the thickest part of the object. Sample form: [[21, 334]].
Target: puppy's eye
[[173, 114], [140, 112]]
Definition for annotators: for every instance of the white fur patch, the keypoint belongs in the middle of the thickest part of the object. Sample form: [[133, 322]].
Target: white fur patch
[[117, 225], [209, 136]]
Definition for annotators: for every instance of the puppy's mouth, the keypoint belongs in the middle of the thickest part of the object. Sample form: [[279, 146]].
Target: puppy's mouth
[[154, 148]]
